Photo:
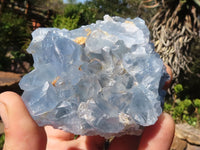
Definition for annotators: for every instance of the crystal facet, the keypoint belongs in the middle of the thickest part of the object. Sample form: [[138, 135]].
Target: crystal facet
[[100, 79]]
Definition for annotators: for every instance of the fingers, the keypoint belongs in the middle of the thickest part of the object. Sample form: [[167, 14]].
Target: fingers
[[93, 142], [58, 134], [90, 142], [126, 142], [57, 139], [82, 143], [21, 132], [158, 136]]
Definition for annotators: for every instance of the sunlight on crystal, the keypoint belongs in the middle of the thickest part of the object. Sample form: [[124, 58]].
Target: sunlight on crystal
[[100, 79]]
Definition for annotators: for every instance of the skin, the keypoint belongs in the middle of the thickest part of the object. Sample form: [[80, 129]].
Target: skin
[[22, 133]]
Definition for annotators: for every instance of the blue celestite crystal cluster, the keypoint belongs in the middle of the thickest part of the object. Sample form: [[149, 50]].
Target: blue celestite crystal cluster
[[101, 79]]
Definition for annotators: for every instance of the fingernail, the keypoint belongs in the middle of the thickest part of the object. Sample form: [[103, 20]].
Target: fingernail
[[4, 115]]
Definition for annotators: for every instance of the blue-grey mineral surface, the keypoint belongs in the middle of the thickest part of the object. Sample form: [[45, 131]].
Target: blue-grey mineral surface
[[101, 79]]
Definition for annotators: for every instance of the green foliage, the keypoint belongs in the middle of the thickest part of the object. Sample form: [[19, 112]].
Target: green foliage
[[183, 110], [197, 103], [71, 1], [75, 15], [178, 88], [2, 139], [113, 7], [76, 136], [14, 35], [122, 8], [13, 30], [168, 107], [69, 23], [78, 14]]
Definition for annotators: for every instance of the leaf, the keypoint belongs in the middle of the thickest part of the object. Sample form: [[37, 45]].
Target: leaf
[[197, 103], [178, 88]]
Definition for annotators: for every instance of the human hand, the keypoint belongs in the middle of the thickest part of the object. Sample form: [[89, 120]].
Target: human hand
[[22, 133]]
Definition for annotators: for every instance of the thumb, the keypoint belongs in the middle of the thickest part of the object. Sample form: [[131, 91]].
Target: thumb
[[21, 132]]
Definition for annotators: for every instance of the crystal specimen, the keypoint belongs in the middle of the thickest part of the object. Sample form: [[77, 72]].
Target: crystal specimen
[[101, 79]]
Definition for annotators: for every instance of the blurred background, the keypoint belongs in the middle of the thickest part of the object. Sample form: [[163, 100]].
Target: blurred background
[[174, 27]]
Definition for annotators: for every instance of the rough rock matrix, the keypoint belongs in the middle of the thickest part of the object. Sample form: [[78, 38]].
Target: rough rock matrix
[[101, 79]]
